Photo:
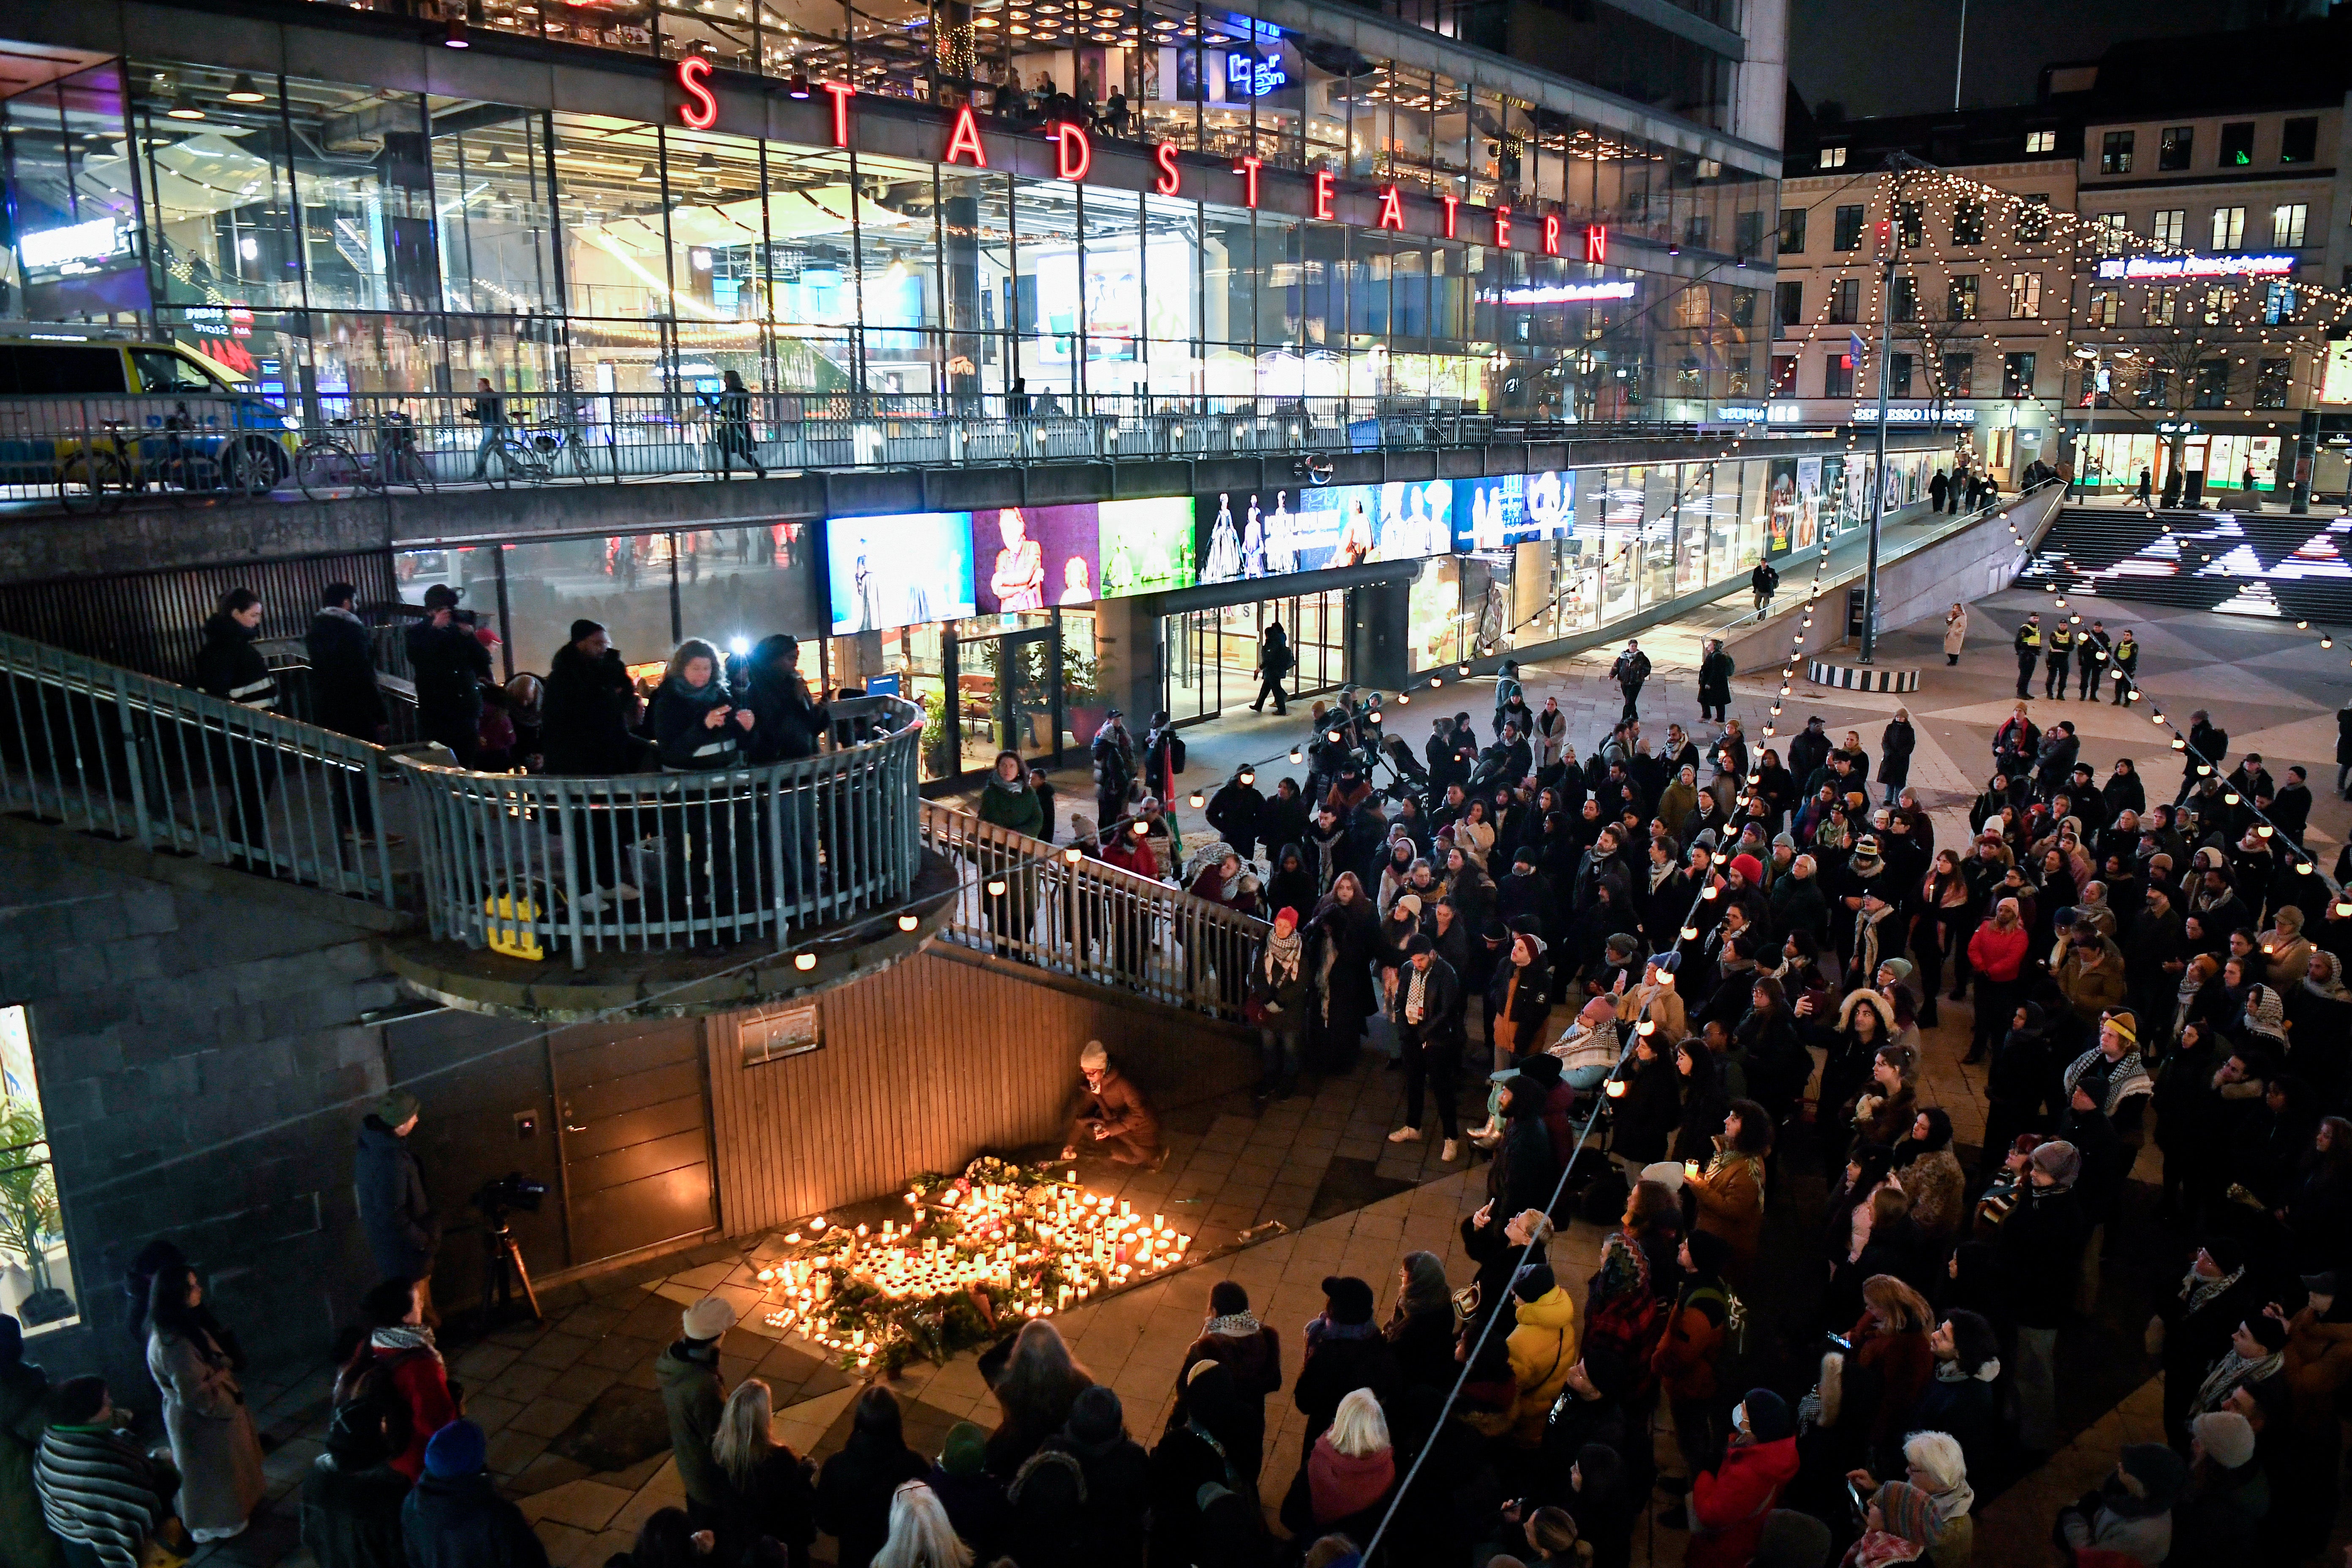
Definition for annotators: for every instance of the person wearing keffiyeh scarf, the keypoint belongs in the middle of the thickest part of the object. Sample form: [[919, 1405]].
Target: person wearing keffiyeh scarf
[[2257, 1354], [1251, 1354], [2325, 978], [2111, 1071], [1622, 1316]]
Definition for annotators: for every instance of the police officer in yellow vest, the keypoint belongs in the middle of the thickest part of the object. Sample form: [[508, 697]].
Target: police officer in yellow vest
[[2059, 649], [2029, 651]]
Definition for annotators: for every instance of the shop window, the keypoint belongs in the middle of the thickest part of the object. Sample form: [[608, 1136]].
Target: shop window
[[2174, 145], [36, 1287], [2213, 383], [2229, 228], [2033, 219], [1848, 234], [2288, 220], [1969, 221], [1787, 303], [1833, 157], [1904, 303], [2237, 143], [2168, 227], [1910, 222], [1960, 301], [1959, 375], [1784, 376], [2025, 295], [1792, 231], [2278, 303], [2299, 139], [2041, 142], [1898, 375], [2017, 376], [2273, 379], [1845, 301], [1837, 376], [2115, 152]]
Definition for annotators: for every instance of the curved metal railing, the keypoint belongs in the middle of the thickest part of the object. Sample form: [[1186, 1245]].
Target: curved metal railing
[[1070, 913], [671, 862]]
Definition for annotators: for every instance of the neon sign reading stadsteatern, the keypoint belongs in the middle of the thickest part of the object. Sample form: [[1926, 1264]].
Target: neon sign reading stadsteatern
[[2129, 267]]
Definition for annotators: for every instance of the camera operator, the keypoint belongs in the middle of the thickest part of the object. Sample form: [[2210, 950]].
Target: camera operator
[[403, 1232]]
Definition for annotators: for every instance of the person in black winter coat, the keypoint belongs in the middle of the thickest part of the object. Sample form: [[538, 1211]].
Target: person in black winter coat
[[1651, 1109], [587, 715], [854, 1489], [454, 1518], [344, 697], [1894, 746], [2038, 1259], [1427, 1008], [1118, 1475], [786, 718], [1190, 1467], [1345, 1352], [352, 1496], [403, 1233], [1523, 1172], [449, 664], [1235, 812], [228, 665]]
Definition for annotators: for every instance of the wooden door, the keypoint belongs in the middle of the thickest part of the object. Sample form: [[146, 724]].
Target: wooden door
[[635, 1131]]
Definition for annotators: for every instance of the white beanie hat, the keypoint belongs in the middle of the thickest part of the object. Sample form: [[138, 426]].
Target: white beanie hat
[[1094, 1058], [2228, 1436], [708, 1319]]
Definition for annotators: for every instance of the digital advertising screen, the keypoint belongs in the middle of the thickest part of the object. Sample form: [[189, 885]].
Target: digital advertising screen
[[1512, 509], [1247, 534], [902, 570], [1143, 546], [1030, 557]]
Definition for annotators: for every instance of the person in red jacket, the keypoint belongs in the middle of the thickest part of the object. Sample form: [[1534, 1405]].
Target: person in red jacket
[[398, 1368], [1997, 952], [1729, 1504], [1686, 1358]]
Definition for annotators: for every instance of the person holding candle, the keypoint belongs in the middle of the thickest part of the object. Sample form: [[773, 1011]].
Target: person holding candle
[[1109, 1110], [1729, 1189]]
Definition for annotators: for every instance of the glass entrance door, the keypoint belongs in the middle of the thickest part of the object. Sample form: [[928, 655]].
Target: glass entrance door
[[1007, 699], [1210, 656]]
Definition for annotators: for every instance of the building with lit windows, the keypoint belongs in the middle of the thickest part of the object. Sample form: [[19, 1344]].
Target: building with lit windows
[[1978, 301]]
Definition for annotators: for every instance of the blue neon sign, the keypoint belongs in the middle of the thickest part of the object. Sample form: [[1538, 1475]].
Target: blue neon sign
[[1246, 75]]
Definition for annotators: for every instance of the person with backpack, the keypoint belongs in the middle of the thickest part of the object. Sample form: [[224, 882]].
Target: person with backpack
[[1114, 770], [1688, 1362], [398, 1370], [351, 1496], [1163, 759]]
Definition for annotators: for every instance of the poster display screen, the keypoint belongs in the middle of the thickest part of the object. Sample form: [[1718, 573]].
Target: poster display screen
[[1144, 546], [902, 570], [1246, 534], [1028, 557], [1512, 509]]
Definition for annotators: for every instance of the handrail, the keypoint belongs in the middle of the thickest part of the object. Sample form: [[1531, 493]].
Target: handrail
[[671, 861], [1067, 912]]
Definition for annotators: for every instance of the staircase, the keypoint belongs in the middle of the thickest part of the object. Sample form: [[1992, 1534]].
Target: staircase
[[2250, 564]]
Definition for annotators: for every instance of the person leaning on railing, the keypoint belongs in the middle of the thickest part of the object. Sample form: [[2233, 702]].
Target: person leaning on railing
[[699, 729]]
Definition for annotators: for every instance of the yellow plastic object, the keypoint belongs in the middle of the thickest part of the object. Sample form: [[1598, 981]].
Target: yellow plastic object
[[514, 937]]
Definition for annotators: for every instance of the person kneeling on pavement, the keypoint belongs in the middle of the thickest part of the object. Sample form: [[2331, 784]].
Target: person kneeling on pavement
[[1107, 1110]]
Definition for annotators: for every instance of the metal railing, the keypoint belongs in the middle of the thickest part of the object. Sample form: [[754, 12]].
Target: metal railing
[[98, 749], [667, 862], [96, 453], [1069, 913]]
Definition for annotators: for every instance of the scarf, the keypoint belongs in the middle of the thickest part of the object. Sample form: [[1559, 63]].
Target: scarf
[[2232, 1373], [2191, 985], [1320, 1328], [2332, 987], [1425, 1288], [1283, 956], [400, 1336], [1658, 874], [1624, 1269], [1867, 940], [2124, 1079], [1725, 1157], [2196, 1289], [1881, 1547], [1415, 993], [1238, 1325], [1953, 1372]]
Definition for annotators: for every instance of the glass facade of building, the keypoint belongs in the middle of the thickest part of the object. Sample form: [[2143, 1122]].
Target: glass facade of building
[[319, 237]]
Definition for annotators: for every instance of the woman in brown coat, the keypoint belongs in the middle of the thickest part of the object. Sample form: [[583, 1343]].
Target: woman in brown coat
[[1730, 1191], [195, 1363]]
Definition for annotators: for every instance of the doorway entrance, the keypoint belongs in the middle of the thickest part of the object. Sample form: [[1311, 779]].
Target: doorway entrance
[[1008, 693], [1210, 656]]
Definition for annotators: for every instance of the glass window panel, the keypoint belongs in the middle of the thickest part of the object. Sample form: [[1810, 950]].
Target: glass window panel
[[620, 581], [69, 183], [497, 217], [1047, 308], [609, 199], [1111, 292], [898, 244]]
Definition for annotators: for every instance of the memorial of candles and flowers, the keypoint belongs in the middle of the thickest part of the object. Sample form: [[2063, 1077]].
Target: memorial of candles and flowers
[[977, 1254]]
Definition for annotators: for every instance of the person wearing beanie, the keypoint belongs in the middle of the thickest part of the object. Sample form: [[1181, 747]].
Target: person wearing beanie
[[1686, 1355], [1345, 1352], [454, 1518], [2194, 1326], [2129, 1513], [395, 1215], [1117, 1472], [1729, 1505], [692, 1396], [2256, 1357], [1542, 1347], [1251, 1352], [973, 1499], [351, 1495], [1109, 1114], [2227, 1495], [2038, 1258]]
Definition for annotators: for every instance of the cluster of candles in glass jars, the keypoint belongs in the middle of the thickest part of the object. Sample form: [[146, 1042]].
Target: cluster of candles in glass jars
[[1032, 1248]]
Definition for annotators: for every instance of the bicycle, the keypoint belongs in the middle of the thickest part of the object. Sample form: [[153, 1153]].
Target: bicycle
[[95, 477], [327, 464]]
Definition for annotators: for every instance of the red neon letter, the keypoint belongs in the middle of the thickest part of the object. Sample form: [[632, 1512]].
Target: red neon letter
[[1452, 203], [1166, 157], [1502, 228], [1247, 169], [1323, 193], [1392, 209], [1074, 155], [1551, 234], [965, 138], [1596, 242], [700, 109], [842, 92]]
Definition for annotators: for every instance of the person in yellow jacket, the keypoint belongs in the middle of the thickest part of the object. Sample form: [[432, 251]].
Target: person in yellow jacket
[[1542, 1349], [2060, 652]]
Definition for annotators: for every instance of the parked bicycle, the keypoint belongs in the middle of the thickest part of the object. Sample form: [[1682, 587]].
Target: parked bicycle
[[177, 462], [327, 464]]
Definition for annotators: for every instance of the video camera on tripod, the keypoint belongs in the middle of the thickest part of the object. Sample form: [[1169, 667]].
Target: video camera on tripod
[[503, 1270]]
